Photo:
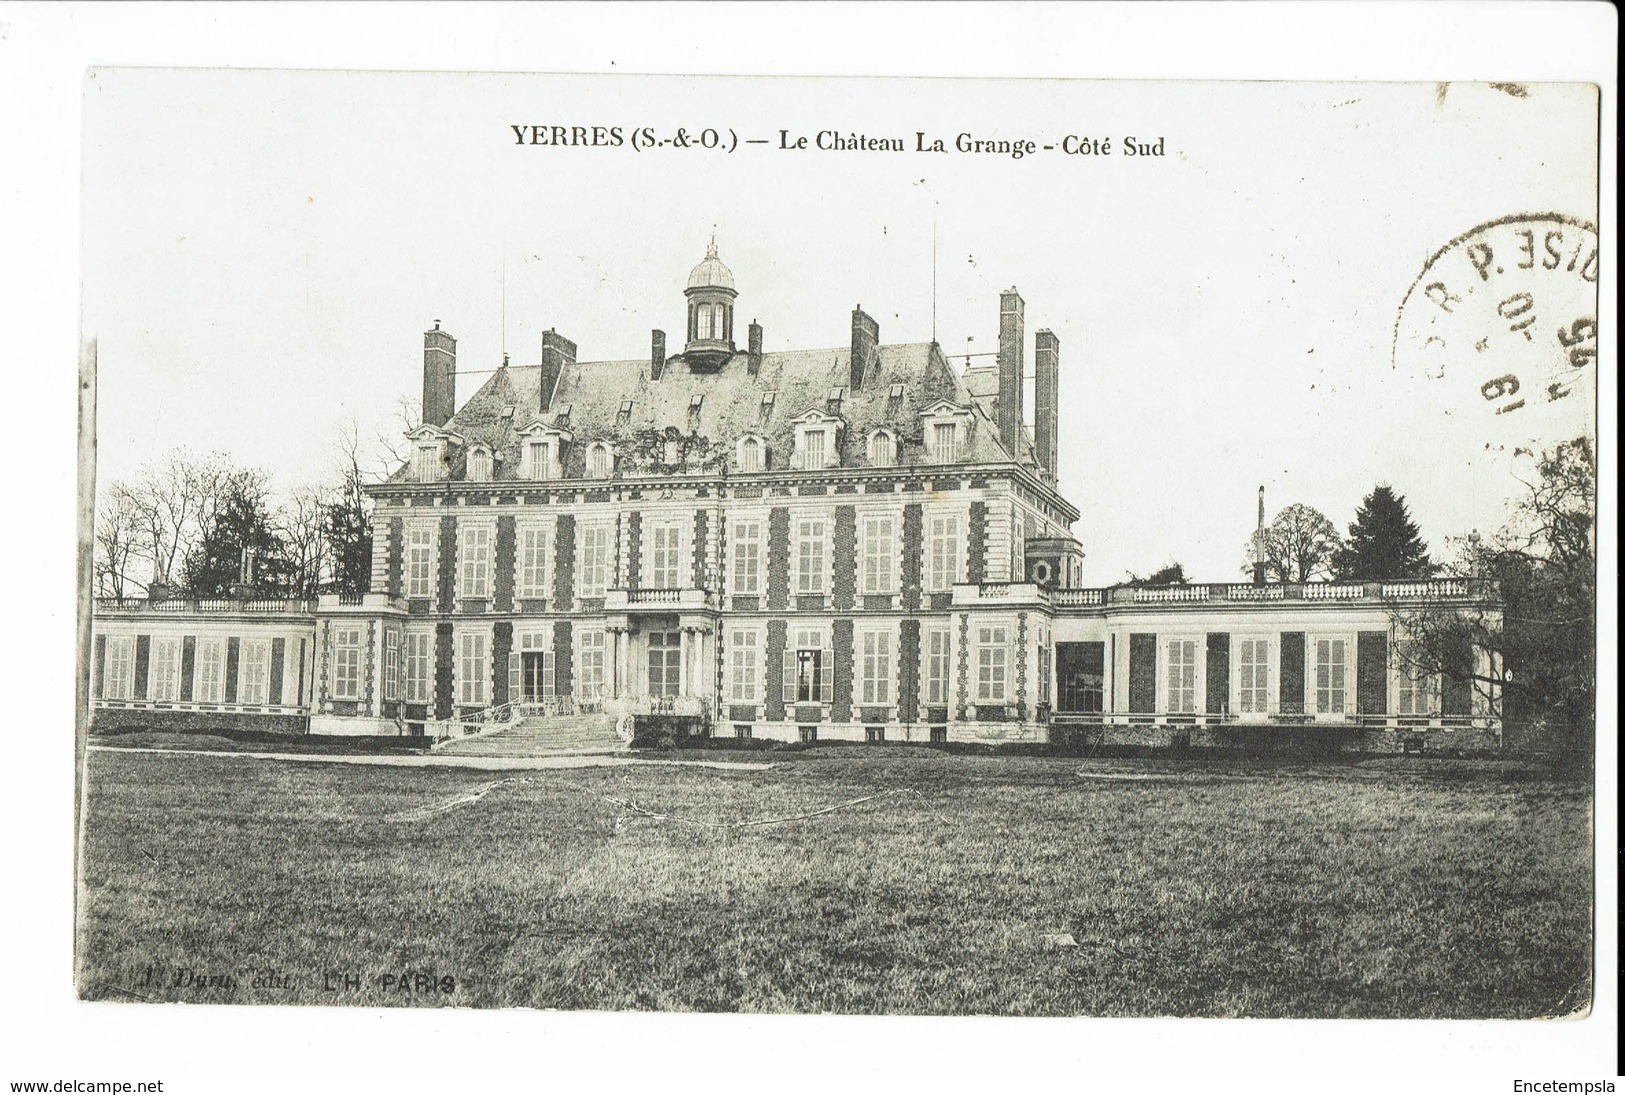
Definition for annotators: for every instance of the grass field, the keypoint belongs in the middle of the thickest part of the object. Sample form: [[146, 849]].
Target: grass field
[[1392, 888]]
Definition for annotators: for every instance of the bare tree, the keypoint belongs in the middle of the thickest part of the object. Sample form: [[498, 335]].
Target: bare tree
[[301, 523], [118, 543], [175, 501], [1298, 545]]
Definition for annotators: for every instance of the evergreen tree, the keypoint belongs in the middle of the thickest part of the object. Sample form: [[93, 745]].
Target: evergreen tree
[[243, 519], [1383, 542], [347, 522]]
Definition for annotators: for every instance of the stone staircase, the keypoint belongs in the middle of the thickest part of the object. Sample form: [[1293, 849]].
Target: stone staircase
[[544, 736]]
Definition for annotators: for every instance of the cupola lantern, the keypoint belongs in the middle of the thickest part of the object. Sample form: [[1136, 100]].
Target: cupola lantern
[[710, 296]]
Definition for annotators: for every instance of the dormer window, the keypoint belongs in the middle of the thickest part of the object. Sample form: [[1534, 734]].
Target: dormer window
[[625, 414], [814, 448], [752, 454], [817, 440], [426, 461], [479, 464], [541, 451], [767, 405], [561, 415], [947, 432], [834, 399], [673, 453], [600, 461], [882, 449]]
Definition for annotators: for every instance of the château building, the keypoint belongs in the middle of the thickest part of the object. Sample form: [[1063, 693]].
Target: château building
[[859, 542]]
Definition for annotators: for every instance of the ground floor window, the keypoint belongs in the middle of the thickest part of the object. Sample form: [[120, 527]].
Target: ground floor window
[[992, 663], [1253, 676], [875, 670], [1418, 691], [346, 664], [665, 663], [1181, 676], [472, 668], [594, 662], [936, 666], [118, 672], [209, 675], [254, 671], [1331, 676], [1080, 670], [742, 647], [165, 673], [419, 660]]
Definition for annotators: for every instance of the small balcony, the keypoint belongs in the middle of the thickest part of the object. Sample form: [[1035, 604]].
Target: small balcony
[[340, 604], [1000, 594], [646, 601]]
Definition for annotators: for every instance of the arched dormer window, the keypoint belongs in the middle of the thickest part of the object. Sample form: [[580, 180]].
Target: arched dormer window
[[429, 457], [600, 461], [479, 464], [752, 455], [882, 449]]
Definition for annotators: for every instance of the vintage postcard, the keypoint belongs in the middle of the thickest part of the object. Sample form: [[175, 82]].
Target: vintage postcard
[[940, 547]]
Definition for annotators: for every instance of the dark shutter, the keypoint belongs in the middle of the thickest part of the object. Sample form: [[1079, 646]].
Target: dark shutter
[[1291, 672], [1142, 674], [278, 656], [143, 658], [1456, 682], [188, 662], [233, 652], [101, 665], [1371, 673], [1218, 672]]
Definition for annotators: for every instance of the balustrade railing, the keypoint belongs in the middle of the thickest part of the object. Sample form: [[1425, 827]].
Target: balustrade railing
[[205, 606]]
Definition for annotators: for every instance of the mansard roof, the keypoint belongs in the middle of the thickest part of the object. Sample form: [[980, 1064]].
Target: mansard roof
[[731, 408]]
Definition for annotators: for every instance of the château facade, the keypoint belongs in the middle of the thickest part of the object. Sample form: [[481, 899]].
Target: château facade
[[856, 543]]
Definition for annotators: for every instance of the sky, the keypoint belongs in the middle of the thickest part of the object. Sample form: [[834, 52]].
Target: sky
[[262, 251]]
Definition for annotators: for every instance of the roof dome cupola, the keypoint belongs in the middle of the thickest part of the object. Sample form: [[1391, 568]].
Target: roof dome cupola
[[710, 294]]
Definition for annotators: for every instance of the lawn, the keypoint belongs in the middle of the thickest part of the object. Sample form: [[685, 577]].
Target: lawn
[[1390, 888]]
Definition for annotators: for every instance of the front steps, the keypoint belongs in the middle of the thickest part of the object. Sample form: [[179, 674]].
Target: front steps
[[544, 736]]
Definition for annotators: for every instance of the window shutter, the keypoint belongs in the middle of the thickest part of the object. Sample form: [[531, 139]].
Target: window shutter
[[826, 674], [548, 684], [789, 676], [515, 694]]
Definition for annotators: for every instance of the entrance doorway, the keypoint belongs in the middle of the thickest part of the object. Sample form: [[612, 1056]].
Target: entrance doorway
[[532, 675], [665, 663]]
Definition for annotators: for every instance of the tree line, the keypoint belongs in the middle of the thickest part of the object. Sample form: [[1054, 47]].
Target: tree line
[[182, 524]]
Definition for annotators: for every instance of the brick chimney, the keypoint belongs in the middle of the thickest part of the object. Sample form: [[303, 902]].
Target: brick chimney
[[865, 345], [439, 376], [657, 354], [1046, 395], [557, 352], [755, 345], [1012, 340]]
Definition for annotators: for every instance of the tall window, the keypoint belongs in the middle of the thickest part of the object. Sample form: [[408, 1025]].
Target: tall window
[[747, 556], [539, 460], [813, 449], [418, 671], [471, 668], [808, 668], [392, 664], [879, 549], [594, 680], [599, 462], [1418, 690], [992, 663], [1018, 548], [476, 561], [1253, 676], [750, 454], [254, 670], [1331, 671], [426, 462], [164, 674], [944, 548], [479, 465], [945, 442], [875, 670], [810, 555], [533, 555], [665, 557], [118, 672], [1045, 656], [346, 664], [936, 666], [593, 572], [743, 649], [420, 544], [209, 677], [1182, 676]]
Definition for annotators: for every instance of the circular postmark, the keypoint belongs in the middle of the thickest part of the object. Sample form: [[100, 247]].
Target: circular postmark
[[1505, 316]]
